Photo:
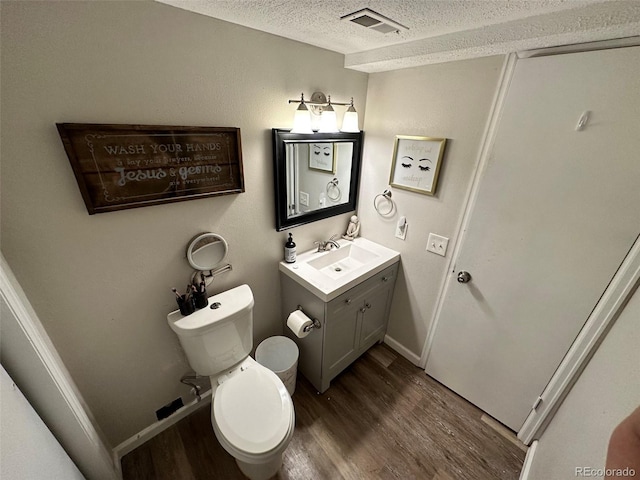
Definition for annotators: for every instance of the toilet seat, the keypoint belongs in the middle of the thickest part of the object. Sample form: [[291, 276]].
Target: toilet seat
[[252, 411]]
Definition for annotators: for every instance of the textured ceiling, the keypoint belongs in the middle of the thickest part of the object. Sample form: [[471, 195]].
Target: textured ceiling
[[438, 30]]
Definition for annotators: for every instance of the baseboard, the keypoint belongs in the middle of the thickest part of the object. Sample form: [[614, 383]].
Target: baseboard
[[155, 428], [402, 350], [528, 461]]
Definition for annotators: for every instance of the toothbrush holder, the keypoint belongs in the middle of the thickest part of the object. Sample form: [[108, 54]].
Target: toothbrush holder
[[186, 305], [200, 299]]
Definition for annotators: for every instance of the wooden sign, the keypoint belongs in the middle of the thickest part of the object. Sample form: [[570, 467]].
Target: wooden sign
[[128, 166]]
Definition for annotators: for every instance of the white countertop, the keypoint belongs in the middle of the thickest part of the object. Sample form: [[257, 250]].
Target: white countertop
[[328, 287]]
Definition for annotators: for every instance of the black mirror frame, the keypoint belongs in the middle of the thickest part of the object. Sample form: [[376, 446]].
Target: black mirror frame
[[281, 137]]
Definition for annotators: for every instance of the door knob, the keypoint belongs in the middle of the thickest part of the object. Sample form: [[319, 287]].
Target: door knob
[[464, 277]]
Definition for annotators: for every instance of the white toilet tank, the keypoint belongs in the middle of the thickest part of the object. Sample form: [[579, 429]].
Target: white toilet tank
[[220, 335]]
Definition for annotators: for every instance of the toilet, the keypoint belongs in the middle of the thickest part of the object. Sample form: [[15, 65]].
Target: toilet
[[251, 410]]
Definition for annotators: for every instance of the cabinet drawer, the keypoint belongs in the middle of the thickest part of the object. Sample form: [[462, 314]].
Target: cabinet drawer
[[356, 294]]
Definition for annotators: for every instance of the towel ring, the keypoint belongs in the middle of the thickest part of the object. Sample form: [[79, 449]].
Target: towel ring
[[332, 186], [387, 196]]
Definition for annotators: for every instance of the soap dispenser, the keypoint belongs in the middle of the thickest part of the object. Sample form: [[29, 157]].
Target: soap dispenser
[[290, 250]]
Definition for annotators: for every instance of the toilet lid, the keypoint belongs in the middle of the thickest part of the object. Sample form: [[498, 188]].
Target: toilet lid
[[253, 410]]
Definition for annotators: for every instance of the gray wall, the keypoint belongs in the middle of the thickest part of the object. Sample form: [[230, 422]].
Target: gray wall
[[101, 284], [450, 100]]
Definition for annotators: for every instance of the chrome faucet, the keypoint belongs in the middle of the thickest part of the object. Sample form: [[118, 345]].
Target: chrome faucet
[[325, 246]]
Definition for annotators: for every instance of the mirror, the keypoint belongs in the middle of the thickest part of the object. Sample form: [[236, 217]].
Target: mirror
[[206, 251], [316, 175]]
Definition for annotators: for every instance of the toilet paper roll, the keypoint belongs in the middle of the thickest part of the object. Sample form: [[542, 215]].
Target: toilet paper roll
[[297, 321]]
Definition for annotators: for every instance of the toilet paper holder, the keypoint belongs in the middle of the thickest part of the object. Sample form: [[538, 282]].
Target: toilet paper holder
[[316, 322]]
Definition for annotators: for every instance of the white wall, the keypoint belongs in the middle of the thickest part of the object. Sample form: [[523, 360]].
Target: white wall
[[101, 284], [29, 449], [607, 391], [450, 100]]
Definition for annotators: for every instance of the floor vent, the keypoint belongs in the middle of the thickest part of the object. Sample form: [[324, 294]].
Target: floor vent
[[370, 19]]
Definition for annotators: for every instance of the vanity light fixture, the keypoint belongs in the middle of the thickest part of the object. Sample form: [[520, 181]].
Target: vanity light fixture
[[321, 106]]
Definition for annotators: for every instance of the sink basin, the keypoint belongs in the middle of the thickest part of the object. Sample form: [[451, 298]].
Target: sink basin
[[329, 274], [339, 262]]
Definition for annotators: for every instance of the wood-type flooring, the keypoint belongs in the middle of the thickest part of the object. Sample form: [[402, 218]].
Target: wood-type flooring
[[382, 418]]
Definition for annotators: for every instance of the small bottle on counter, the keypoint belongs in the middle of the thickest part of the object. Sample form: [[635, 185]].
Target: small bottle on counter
[[290, 250]]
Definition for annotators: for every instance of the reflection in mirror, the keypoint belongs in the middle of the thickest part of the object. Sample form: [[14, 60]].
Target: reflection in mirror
[[316, 175], [315, 178]]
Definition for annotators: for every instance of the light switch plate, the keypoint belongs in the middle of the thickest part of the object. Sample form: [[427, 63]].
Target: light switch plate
[[437, 244]]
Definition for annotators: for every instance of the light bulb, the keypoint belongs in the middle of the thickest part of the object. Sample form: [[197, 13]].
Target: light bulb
[[302, 119], [328, 120], [350, 120]]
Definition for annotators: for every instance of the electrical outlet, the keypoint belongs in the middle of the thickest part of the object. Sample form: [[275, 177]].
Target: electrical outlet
[[169, 408], [401, 228], [304, 199], [437, 244]]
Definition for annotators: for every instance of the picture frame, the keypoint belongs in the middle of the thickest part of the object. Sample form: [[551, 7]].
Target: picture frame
[[127, 166], [322, 157], [416, 163]]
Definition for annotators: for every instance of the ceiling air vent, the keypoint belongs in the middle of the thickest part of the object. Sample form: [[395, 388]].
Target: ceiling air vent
[[370, 19]]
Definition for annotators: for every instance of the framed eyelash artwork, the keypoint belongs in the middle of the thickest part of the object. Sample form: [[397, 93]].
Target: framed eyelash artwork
[[416, 163], [322, 157]]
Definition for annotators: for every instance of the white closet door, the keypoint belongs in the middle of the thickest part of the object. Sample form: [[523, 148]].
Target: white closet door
[[557, 211]]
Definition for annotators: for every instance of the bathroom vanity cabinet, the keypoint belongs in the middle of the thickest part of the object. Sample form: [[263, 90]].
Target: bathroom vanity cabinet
[[350, 324]]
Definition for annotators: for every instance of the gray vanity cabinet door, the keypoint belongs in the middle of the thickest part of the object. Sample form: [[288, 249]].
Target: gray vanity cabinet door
[[342, 335], [375, 314]]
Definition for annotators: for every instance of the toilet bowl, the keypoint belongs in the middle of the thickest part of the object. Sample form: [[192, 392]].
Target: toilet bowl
[[253, 418]]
